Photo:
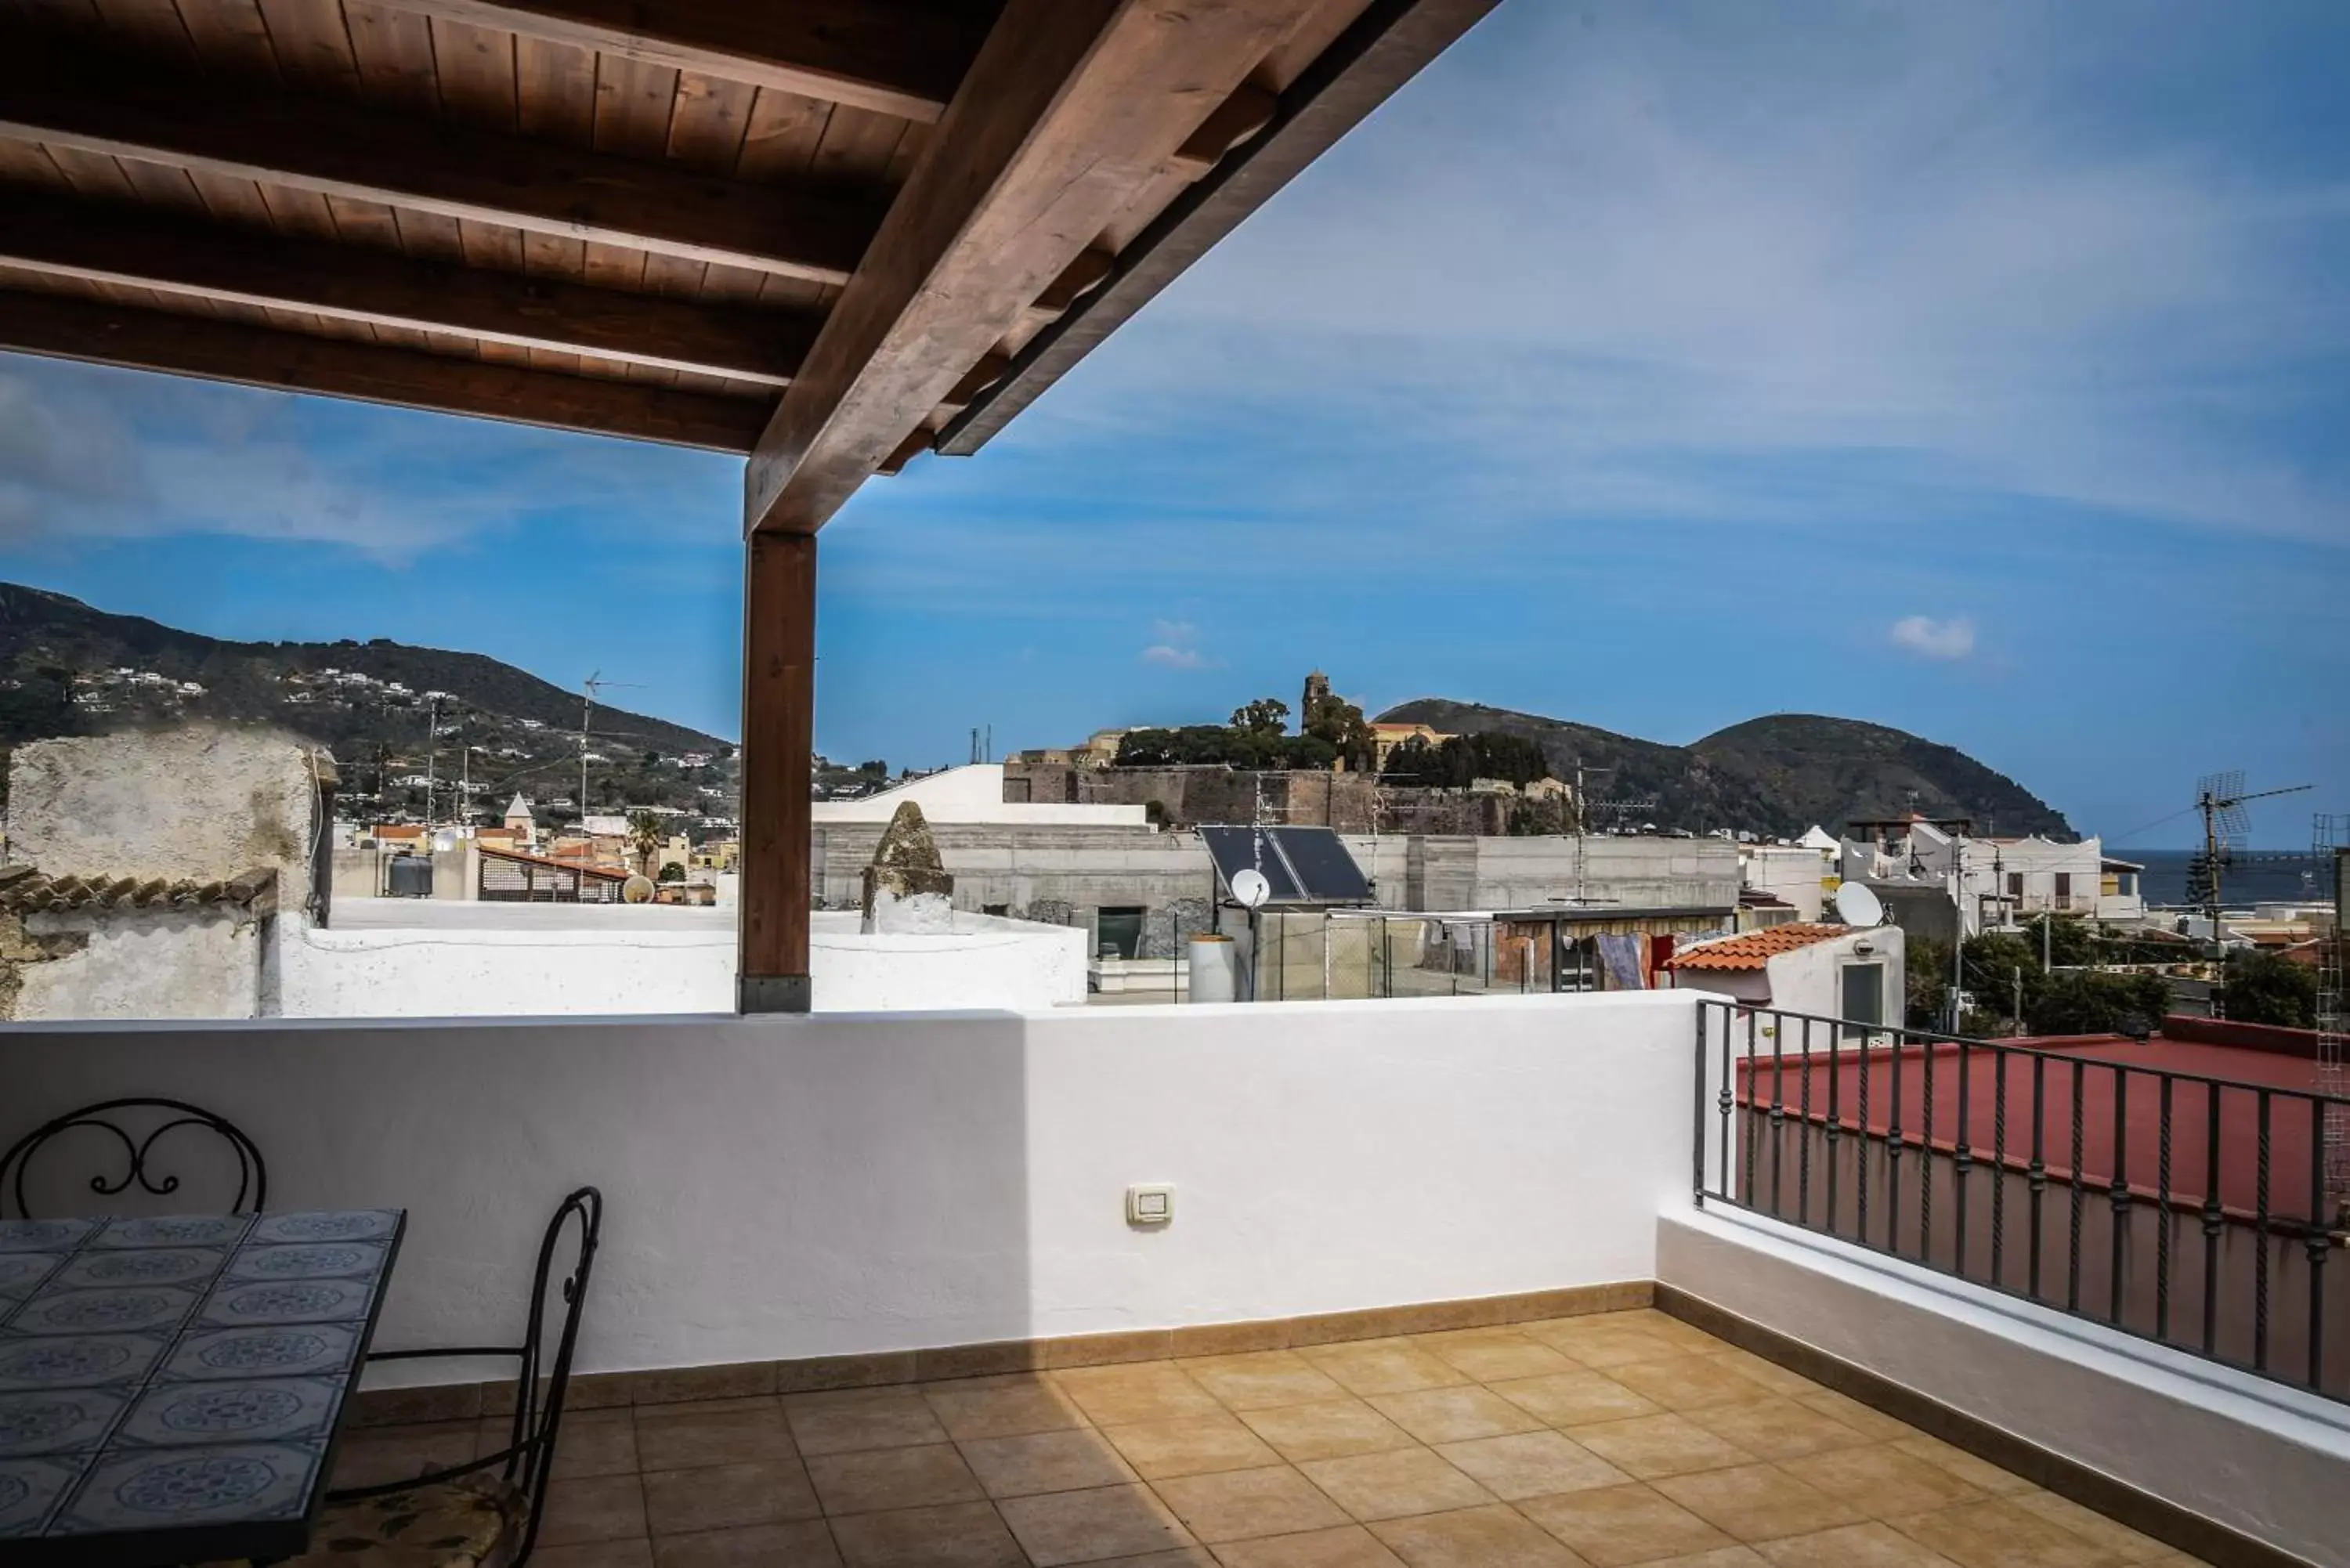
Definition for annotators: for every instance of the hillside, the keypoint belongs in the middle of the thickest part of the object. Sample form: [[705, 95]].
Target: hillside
[[62, 672], [1778, 774]]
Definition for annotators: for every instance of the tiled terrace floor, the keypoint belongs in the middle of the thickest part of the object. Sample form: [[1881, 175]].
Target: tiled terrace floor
[[1604, 1441]]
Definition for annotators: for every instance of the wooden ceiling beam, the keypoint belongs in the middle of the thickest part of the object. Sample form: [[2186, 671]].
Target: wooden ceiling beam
[[902, 57], [1380, 51], [350, 150], [1069, 106], [216, 350], [104, 243]]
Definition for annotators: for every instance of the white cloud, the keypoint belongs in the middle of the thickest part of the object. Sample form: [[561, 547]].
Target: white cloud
[[1680, 261], [1172, 657], [1930, 638]]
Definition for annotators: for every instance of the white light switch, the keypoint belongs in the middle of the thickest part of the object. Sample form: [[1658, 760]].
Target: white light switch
[[1153, 1203]]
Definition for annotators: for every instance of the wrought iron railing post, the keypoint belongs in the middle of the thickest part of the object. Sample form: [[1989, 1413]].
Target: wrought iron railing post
[[1860, 1154], [1835, 1126], [2261, 1239], [1998, 1165], [1748, 1134], [2162, 1213], [1803, 1148], [1893, 1158], [2320, 1243], [2121, 1193], [2037, 1181], [1697, 1103], [1962, 1163], [2214, 1219], [1723, 1102], [2073, 1250], [1778, 1103]]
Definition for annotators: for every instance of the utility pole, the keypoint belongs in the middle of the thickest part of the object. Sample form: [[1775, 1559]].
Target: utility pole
[[2220, 798], [431, 751], [2018, 999], [1959, 932], [2047, 943]]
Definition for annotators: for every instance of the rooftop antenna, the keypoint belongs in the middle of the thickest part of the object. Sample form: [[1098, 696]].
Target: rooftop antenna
[[1584, 807], [2220, 798], [2330, 848], [588, 689]]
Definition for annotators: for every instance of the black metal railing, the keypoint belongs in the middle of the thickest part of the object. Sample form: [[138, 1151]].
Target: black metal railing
[[2194, 1209]]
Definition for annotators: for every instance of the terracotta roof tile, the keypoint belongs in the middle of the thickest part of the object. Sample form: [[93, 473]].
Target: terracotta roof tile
[[1755, 950], [30, 891]]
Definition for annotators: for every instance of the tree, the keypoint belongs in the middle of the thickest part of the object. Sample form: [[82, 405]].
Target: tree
[[1266, 716], [673, 872], [1340, 725], [645, 836], [2270, 988], [2096, 1001]]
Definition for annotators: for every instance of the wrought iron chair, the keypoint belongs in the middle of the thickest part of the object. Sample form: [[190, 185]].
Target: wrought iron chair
[[486, 1511], [138, 1152]]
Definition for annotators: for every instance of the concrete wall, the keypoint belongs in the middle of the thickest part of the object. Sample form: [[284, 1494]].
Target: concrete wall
[[202, 802], [2261, 1458], [975, 792], [1791, 872], [1811, 979], [410, 959], [142, 963], [791, 1187]]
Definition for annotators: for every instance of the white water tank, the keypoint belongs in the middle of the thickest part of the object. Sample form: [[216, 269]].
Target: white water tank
[[1215, 968]]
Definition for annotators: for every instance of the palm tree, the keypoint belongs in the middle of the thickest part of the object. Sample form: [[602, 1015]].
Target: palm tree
[[645, 836]]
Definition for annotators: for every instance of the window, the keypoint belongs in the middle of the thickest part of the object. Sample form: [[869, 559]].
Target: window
[[2063, 886], [1117, 933], [1863, 998], [995, 908], [2015, 884]]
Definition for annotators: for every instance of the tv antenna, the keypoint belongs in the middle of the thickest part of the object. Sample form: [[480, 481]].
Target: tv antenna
[[1584, 805], [589, 690], [2221, 797]]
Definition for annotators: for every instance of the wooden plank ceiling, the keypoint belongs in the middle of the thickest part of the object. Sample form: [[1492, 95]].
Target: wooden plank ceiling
[[827, 234]]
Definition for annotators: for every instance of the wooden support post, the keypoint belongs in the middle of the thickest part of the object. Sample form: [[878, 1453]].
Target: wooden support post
[[778, 737]]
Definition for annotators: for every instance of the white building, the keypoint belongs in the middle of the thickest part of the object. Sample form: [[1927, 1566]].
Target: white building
[[1850, 972], [1799, 874], [2005, 881], [973, 794]]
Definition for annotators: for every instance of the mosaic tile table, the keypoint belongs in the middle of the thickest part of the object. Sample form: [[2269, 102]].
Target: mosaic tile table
[[170, 1388]]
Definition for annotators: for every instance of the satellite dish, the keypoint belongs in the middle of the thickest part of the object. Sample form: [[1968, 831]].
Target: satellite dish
[[638, 889], [1857, 906], [444, 841], [1251, 889]]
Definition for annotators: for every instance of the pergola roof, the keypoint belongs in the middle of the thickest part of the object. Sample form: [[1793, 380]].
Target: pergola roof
[[827, 234]]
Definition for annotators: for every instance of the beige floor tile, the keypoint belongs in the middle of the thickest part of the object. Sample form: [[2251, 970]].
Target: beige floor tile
[[1758, 1502], [1576, 1399], [1687, 1382], [592, 1508], [1454, 1415], [1490, 1355], [1145, 1391], [635, 1553], [1720, 1557], [1192, 1446], [962, 1535], [1617, 1525], [1383, 1366], [1002, 1406], [1775, 1427], [1977, 1473], [682, 1438], [1234, 1505], [2000, 1534], [807, 1545], [374, 1455], [1391, 1485], [726, 1497], [839, 1424], [1532, 1464], [1603, 1341], [1871, 1545], [1656, 1446], [1262, 1380], [869, 1480], [1882, 1481], [2093, 1527], [1767, 1374], [1862, 1418], [1325, 1430], [1349, 1546], [1667, 1327], [1180, 1557], [1489, 1537], [1046, 1461], [1087, 1526]]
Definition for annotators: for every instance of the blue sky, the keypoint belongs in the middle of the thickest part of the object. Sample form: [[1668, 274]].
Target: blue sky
[[1978, 370]]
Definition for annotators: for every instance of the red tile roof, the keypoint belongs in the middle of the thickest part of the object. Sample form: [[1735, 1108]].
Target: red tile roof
[[1755, 950]]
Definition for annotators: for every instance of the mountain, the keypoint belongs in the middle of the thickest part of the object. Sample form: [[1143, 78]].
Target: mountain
[[68, 668], [1777, 775]]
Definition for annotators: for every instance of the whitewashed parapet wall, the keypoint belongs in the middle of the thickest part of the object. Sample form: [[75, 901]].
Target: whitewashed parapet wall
[[792, 1186]]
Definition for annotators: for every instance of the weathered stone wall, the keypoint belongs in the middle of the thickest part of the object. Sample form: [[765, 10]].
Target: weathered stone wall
[[204, 802], [1190, 796]]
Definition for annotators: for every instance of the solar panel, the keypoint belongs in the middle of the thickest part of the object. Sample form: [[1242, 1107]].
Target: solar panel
[[1302, 865], [1325, 871], [1237, 850]]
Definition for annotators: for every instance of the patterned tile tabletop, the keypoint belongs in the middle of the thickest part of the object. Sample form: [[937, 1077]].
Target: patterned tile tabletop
[[169, 1386]]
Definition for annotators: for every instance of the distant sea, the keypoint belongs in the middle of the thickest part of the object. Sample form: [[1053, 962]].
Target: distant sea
[[2258, 876]]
